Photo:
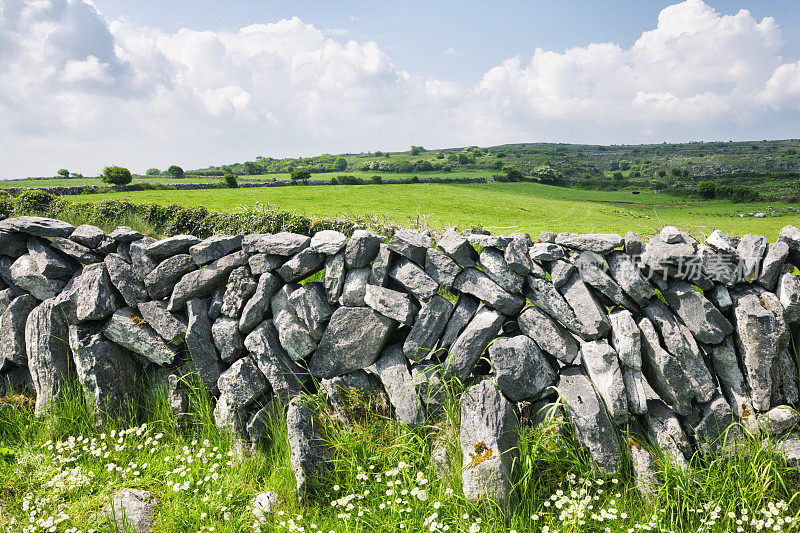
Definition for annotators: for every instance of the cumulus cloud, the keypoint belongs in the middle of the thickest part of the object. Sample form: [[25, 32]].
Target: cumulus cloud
[[79, 91]]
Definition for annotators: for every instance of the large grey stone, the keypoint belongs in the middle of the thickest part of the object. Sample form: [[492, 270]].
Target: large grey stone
[[720, 267], [791, 236], [626, 338], [486, 240], [263, 263], [602, 365], [544, 295], [12, 330], [592, 321], [664, 428], [361, 249], [560, 272], [129, 330], [131, 288], [230, 419], [49, 356], [413, 278], [469, 345], [200, 344], [335, 274], [26, 275], [392, 304], [723, 244], [516, 255], [705, 321], [283, 243], [96, 297], [473, 281], [464, 311], [645, 471], [202, 283], [721, 298], [785, 385], [548, 334], [171, 326], [255, 310], [489, 438], [353, 340], [392, 367], [428, 328], [240, 288], [668, 259], [6, 296], [75, 251], [678, 341], [328, 242], [52, 264], [592, 268], [593, 427], [751, 250], [312, 308], [38, 226], [759, 339], [520, 369], [379, 274], [411, 244], [177, 244], [13, 244], [664, 371], [633, 244], [161, 281], [141, 263], [227, 339], [125, 234], [243, 383], [88, 235], [132, 510], [284, 375], [712, 426], [635, 389], [294, 337], [360, 385], [773, 264], [309, 451], [788, 292], [546, 251], [493, 263], [355, 287], [594, 242], [731, 381], [302, 265], [458, 248], [106, 371], [214, 247]]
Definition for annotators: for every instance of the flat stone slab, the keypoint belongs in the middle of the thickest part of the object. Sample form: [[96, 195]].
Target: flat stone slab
[[38, 226], [128, 329]]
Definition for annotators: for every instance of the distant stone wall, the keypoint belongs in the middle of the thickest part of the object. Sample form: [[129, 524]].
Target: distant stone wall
[[243, 184], [678, 337]]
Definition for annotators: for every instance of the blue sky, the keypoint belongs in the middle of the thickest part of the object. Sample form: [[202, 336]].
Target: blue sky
[[152, 83]]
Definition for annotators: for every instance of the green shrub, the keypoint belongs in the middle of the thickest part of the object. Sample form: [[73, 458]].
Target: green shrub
[[6, 203], [175, 171], [64, 173], [300, 174], [707, 189], [34, 201], [153, 172], [231, 181], [116, 175], [349, 180], [376, 179]]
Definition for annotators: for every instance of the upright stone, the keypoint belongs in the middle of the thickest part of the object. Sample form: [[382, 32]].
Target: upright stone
[[309, 451], [12, 330], [49, 356], [493, 263], [335, 274], [428, 328], [521, 371], [458, 248], [392, 367], [773, 265], [465, 309], [441, 268], [591, 317], [243, 383], [170, 326], [312, 308], [240, 288], [200, 343], [361, 249], [602, 365], [701, 317], [255, 310], [469, 346], [411, 244], [228, 339], [96, 298], [284, 375]]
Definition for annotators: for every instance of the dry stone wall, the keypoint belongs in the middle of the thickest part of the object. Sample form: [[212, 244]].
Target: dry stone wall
[[674, 338]]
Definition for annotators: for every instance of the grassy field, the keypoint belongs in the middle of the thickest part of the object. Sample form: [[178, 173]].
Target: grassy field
[[498, 207]]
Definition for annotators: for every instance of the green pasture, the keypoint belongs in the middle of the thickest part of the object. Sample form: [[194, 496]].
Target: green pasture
[[498, 207]]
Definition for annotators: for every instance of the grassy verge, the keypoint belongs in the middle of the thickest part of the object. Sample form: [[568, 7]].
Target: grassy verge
[[61, 470]]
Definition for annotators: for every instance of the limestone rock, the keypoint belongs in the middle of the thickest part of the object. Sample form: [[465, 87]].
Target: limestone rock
[[328, 242], [411, 244], [49, 356], [200, 344], [543, 251], [130, 331], [121, 274], [125, 234], [592, 426], [309, 452], [773, 264], [263, 505], [633, 244], [96, 297], [701, 317], [355, 287], [132, 510], [283, 243], [361, 385], [428, 328], [493, 263], [161, 281], [263, 263], [379, 273], [175, 245], [592, 321], [392, 367], [592, 269], [240, 288], [594, 242], [392, 304], [106, 371], [712, 427], [227, 339], [645, 471], [243, 383], [548, 334], [141, 263], [361, 249], [521, 371], [626, 338], [489, 439], [255, 310], [464, 311], [302, 265], [516, 256], [731, 381], [202, 283], [544, 295], [88, 235], [335, 274], [312, 308], [788, 292], [413, 278], [170, 326], [25, 274], [12, 330], [38, 226], [75, 251], [602, 365], [284, 375], [214, 248], [473, 281], [752, 249], [458, 248], [469, 345], [353, 340]]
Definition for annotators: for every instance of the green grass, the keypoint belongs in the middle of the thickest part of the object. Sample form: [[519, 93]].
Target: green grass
[[366, 175], [60, 182], [499, 207], [63, 469]]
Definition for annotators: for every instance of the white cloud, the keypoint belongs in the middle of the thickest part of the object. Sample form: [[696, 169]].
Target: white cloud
[[79, 92]]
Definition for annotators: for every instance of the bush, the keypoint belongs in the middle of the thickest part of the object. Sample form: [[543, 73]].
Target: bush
[[376, 179], [116, 175], [300, 174], [348, 180], [175, 171], [153, 172], [231, 181], [707, 189], [64, 173], [512, 174], [34, 201]]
